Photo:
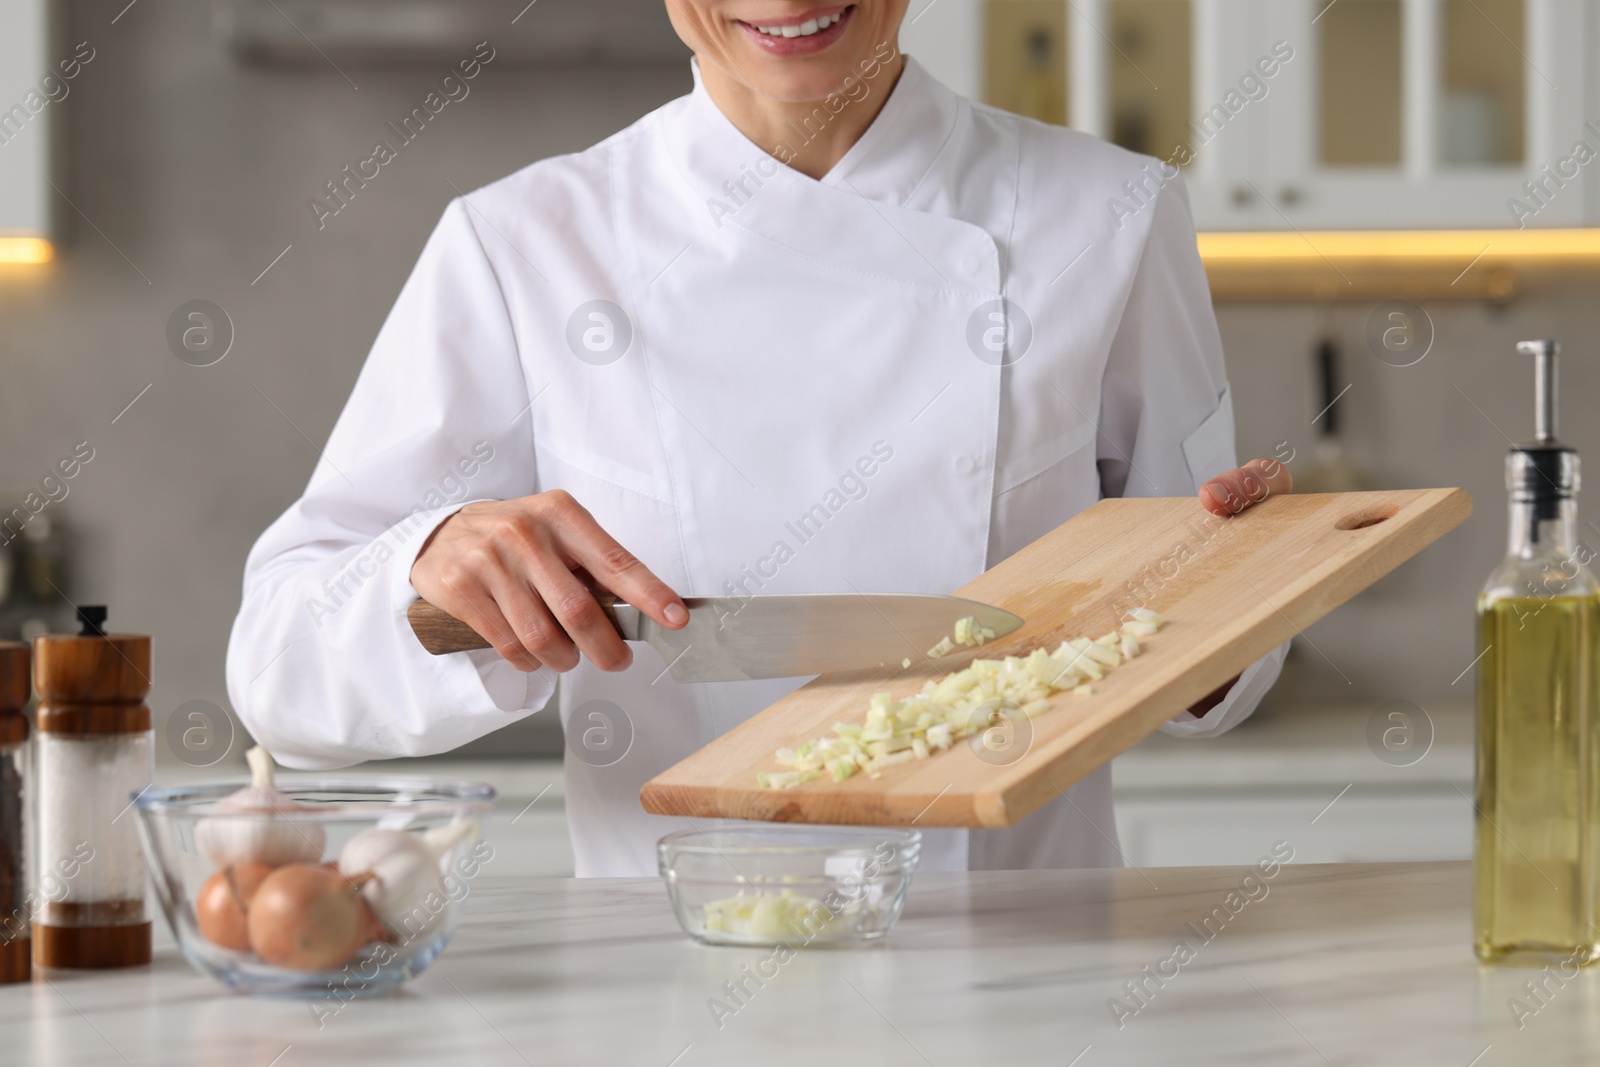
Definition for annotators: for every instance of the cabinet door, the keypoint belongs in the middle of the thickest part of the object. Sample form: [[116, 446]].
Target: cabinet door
[[24, 116], [1425, 113], [1240, 68], [1308, 114]]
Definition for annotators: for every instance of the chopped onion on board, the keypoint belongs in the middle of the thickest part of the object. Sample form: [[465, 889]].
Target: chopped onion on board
[[959, 704], [967, 634]]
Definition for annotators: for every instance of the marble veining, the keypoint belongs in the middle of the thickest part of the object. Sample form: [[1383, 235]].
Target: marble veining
[[1329, 965]]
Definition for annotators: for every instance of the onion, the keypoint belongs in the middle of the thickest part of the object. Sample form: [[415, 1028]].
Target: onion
[[404, 880], [968, 633], [225, 840], [308, 917], [780, 916], [221, 908], [960, 704]]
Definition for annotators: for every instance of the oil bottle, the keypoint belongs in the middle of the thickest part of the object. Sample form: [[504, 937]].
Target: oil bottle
[[1537, 832]]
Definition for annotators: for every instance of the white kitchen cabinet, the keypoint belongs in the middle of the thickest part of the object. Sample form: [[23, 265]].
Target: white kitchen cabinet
[[24, 119], [1472, 99], [1376, 114]]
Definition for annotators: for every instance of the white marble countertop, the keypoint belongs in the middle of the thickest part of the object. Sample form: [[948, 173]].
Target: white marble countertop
[[1334, 965]]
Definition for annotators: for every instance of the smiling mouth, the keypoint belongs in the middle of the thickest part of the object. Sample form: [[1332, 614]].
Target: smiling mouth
[[804, 33], [815, 24]]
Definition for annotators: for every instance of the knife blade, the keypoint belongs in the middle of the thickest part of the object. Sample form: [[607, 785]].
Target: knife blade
[[774, 636]]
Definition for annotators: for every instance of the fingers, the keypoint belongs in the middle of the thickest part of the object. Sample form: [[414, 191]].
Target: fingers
[[471, 601], [533, 628], [574, 607], [1233, 491], [621, 572], [506, 568]]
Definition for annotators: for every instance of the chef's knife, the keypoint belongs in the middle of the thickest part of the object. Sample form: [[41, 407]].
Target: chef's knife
[[780, 636]]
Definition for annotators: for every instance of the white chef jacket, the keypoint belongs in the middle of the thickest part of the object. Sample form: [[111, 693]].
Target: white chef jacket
[[791, 385]]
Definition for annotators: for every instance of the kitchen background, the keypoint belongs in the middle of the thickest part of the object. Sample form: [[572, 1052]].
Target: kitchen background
[[182, 160]]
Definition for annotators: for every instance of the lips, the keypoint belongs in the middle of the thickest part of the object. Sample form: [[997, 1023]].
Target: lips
[[804, 34]]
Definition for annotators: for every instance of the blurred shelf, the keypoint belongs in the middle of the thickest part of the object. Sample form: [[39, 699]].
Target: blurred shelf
[[26, 250], [1391, 264]]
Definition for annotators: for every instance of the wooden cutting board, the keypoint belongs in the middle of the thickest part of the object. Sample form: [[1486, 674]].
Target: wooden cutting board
[[1231, 591]]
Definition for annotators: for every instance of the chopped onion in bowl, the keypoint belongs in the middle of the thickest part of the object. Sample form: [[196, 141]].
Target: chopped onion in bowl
[[959, 705], [763, 914]]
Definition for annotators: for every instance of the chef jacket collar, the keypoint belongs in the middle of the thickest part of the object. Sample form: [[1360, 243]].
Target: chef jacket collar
[[887, 164], [899, 149], [861, 218]]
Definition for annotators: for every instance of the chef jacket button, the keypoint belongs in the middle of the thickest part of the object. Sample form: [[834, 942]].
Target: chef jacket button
[[966, 464]]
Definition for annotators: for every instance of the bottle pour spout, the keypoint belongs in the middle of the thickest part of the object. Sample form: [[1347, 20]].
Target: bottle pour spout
[[1544, 471], [1544, 353]]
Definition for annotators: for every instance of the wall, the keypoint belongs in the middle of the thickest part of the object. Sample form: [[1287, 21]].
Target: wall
[[192, 173], [1448, 420]]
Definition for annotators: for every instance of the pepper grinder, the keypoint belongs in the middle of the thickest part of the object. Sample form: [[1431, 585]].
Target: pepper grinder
[[95, 752], [16, 945]]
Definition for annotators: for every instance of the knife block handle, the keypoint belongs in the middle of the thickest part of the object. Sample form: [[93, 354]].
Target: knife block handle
[[442, 633]]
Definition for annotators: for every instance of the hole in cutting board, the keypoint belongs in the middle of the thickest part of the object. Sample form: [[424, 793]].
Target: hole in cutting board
[[1370, 517]]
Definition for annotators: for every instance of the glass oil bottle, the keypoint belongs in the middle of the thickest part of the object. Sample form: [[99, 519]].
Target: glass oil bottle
[[1537, 832]]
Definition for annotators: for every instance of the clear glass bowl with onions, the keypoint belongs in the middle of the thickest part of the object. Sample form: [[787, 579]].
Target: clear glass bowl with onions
[[798, 886], [318, 887]]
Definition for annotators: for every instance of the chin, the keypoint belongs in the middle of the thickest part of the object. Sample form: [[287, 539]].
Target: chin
[[805, 86]]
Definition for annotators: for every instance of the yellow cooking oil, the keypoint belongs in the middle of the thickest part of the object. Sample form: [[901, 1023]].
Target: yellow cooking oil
[[1536, 838], [1537, 835]]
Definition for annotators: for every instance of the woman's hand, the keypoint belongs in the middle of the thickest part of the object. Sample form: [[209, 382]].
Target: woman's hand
[[524, 573], [1232, 491], [1228, 494]]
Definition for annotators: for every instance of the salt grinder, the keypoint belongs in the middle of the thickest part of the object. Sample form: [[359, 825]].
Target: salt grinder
[[16, 945], [94, 752]]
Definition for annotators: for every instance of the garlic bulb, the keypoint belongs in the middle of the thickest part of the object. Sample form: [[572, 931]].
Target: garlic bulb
[[226, 840], [405, 884]]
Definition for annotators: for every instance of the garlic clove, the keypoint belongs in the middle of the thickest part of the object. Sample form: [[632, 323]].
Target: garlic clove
[[405, 881], [254, 835]]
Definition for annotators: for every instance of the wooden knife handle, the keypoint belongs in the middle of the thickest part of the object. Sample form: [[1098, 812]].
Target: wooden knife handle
[[442, 633]]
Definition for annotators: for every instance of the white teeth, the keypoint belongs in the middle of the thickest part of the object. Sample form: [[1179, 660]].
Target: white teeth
[[805, 29]]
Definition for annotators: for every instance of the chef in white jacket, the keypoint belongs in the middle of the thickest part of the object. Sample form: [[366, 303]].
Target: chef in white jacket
[[821, 325]]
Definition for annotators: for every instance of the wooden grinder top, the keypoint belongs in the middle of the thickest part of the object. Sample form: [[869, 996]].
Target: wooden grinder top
[[92, 682]]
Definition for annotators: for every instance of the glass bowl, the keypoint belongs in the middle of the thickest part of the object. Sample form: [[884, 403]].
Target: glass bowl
[[793, 885], [409, 935]]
